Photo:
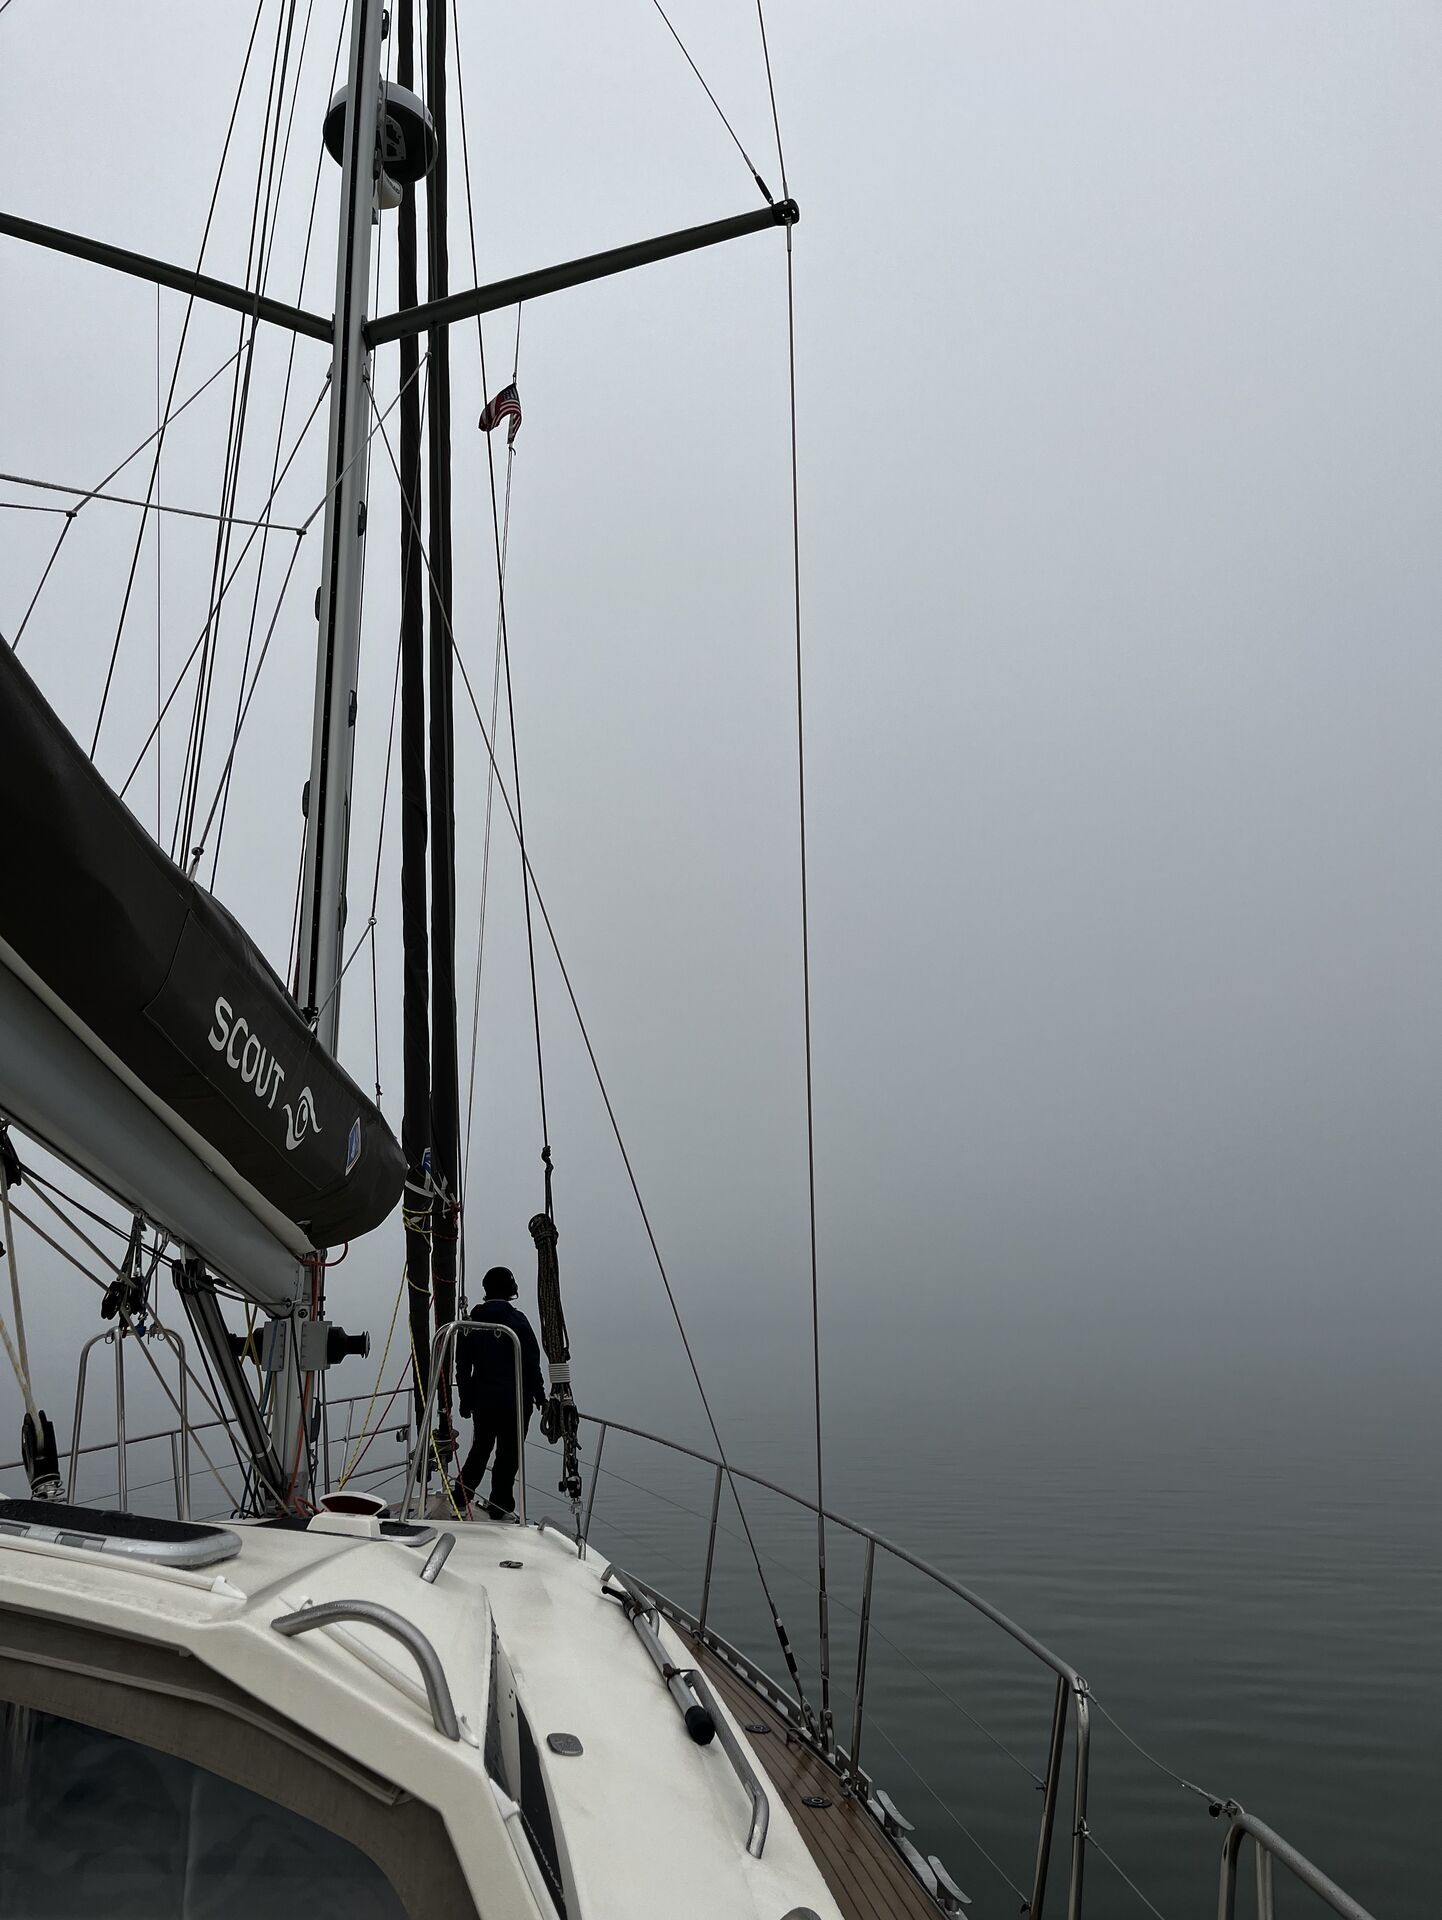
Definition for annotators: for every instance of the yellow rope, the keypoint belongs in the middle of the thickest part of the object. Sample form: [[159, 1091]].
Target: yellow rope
[[365, 1438]]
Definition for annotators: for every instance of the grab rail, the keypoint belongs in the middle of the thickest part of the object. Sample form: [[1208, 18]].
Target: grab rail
[[736, 1754], [701, 1712], [116, 1337], [371, 1613], [1271, 1846], [444, 1339]]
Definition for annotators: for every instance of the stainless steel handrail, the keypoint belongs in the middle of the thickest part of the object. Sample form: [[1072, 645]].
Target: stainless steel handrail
[[437, 1558], [1271, 1846], [116, 1337], [642, 1612], [741, 1766], [691, 1690], [898, 1552], [371, 1613]]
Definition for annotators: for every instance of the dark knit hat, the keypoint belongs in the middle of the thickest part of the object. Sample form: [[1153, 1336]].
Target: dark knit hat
[[499, 1284]]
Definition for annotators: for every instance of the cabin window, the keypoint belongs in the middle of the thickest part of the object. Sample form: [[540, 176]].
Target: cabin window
[[96, 1827], [515, 1765]]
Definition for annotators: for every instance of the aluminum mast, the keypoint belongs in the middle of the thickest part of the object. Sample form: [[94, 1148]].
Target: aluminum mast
[[327, 843], [338, 652]]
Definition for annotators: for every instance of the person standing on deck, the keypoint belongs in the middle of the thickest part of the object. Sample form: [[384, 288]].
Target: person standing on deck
[[486, 1391]]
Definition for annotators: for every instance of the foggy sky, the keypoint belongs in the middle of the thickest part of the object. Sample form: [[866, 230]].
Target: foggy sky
[[1120, 485]]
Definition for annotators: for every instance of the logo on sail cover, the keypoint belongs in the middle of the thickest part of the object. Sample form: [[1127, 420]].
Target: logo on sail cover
[[245, 1053], [352, 1145], [301, 1120]]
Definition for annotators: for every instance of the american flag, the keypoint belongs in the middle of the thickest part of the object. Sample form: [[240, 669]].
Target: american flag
[[505, 406]]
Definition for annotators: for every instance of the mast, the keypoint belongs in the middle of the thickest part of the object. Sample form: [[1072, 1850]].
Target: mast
[[416, 1119], [445, 1091], [327, 841], [338, 649]]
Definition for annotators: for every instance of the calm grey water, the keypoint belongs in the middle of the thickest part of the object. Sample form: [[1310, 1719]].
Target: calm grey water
[[1247, 1568]]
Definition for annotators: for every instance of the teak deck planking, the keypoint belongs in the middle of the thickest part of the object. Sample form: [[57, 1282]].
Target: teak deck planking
[[867, 1877]]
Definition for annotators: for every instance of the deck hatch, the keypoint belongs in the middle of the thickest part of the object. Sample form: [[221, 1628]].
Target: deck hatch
[[128, 1536]]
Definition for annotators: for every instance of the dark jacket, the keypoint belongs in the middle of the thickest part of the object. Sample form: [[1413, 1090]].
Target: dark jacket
[[486, 1363]]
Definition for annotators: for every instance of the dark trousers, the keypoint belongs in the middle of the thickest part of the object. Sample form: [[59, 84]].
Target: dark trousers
[[494, 1428]]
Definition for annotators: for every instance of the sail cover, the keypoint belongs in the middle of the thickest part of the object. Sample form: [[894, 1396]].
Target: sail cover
[[149, 968]]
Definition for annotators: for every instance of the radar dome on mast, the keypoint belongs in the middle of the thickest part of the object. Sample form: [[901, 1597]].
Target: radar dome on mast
[[406, 136]]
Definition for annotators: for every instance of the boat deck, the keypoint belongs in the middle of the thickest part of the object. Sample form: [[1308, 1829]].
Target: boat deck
[[867, 1877]]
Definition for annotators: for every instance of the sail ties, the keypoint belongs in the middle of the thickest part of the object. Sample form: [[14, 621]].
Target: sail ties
[[417, 1199], [559, 1417]]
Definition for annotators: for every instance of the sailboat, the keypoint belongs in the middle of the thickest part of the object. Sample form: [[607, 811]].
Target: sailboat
[[384, 1702]]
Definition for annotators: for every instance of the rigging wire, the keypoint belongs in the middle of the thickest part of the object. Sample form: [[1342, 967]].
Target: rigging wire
[[17, 1353], [54, 556], [175, 374], [822, 1598], [771, 90], [390, 754], [134, 454], [304, 527], [159, 651], [948, 1810], [1122, 1874], [525, 870], [375, 1390], [368, 933], [111, 1226], [751, 166], [385, 796], [246, 696], [486, 845], [130, 500], [380, 843], [369, 1439], [180, 678], [256, 266], [292, 961], [148, 1357], [290, 360], [1212, 1799], [79, 1233], [776, 1620], [502, 548]]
